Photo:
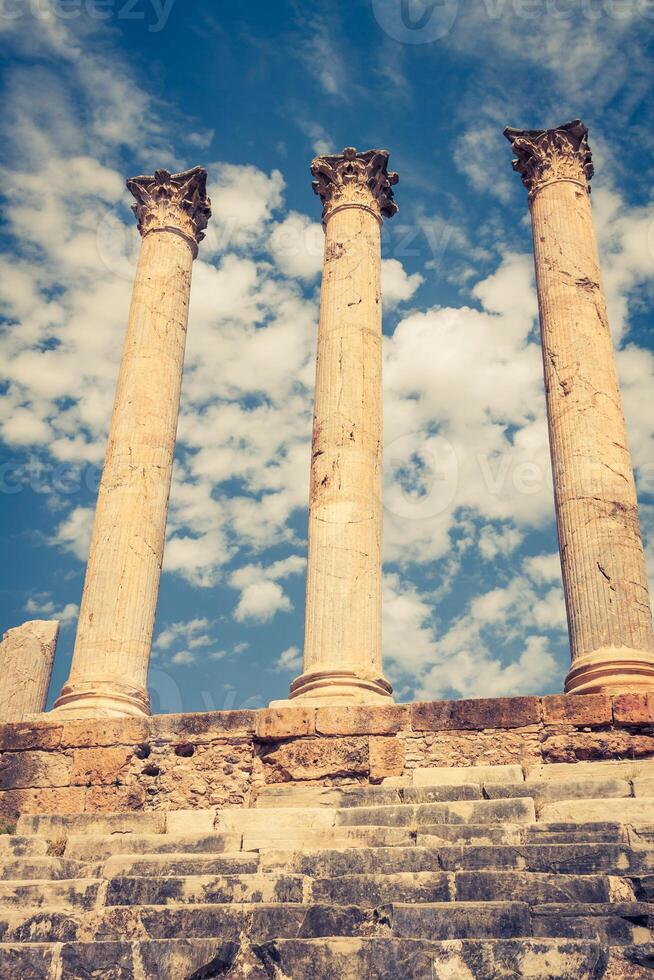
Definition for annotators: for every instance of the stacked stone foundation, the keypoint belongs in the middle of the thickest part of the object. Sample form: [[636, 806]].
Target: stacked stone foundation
[[224, 759]]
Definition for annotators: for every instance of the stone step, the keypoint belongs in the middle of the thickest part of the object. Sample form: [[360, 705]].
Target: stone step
[[346, 797], [579, 859], [567, 833], [21, 846], [367, 835], [550, 791], [62, 894], [379, 889], [263, 922], [180, 865], [576, 859], [532, 887], [616, 924], [514, 811], [57, 825], [473, 833], [451, 775], [324, 959], [583, 811], [54, 868], [206, 889], [570, 771], [89, 848]]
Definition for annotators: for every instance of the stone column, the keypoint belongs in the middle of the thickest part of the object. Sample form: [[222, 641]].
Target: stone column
[[604, 576], [342, 647], [114, 635], [26, 655]]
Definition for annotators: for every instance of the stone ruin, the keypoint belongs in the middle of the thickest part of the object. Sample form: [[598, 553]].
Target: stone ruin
[[338, 834]]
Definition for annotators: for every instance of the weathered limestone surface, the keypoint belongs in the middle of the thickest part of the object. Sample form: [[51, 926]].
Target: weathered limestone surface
[[114, 634], [437, 880], [26, 656], [231, 759], [342, 647], [604, 575]]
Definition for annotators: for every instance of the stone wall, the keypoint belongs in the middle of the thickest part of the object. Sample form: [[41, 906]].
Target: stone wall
[[222, 759]]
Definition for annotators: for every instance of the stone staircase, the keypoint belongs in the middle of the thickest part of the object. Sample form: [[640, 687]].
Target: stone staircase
[[455, 873]]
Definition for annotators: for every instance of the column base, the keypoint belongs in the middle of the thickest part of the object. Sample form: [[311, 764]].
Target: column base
[[612, 670], [101, 700], [337, 687]]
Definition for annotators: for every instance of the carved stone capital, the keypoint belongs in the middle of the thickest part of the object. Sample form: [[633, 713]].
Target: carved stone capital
[[351, 179], [546, 155], [173, 202]]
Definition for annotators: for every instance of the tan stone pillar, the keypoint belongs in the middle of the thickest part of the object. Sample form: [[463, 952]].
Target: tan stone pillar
[[604, 576], [342, 646], [114, 634], [26, 655]]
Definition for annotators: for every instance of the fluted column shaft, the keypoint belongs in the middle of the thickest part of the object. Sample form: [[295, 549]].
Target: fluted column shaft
[[114, 634], [602, 560], [342, 649]]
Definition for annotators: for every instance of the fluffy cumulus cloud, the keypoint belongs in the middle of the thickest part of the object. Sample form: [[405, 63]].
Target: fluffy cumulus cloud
[[261, 595]]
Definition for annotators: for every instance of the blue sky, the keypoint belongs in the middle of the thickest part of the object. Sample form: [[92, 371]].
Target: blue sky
[[97, 92]]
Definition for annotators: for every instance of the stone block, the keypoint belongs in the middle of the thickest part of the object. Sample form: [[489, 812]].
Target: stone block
[[532, 887], [202, 727], [634, 709], [586, 811], [546, 959], [22, 770], [644, 786], [57, 825], [190, 821], [315, 758], [605, 769], [552, 790], [456, 775], [30, 735], [67, 799], [441, 794], [100, 765], [589, 709], [277, 723], [386, 757], [465, 921], [105, 732], [379, 889], [362, 720], [600, 744], [478, 714]]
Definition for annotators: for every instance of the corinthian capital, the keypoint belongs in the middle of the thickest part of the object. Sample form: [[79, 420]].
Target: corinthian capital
[[173, 202], [355, 179], [545, 155]]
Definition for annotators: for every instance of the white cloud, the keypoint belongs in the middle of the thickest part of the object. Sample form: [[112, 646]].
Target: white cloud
[[495, 541], [184, 657], [243, 199], [289, 660], [74, 532], [185, 629], [297, 245], [43, 605], [464, 659], [261, 594], [397, 286]]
